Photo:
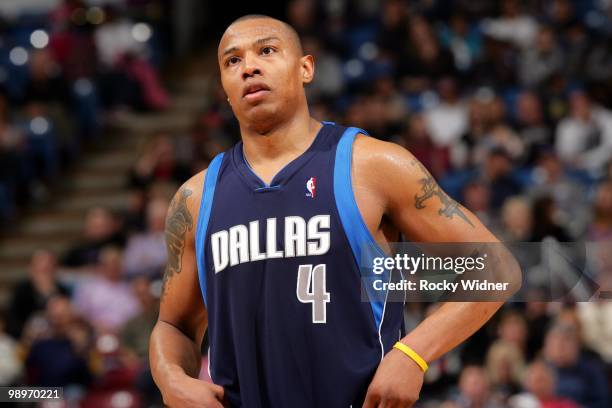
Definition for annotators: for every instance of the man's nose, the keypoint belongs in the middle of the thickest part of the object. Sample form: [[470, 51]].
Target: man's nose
[[251, 67]]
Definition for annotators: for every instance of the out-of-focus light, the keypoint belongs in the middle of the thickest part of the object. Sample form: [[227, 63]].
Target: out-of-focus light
[[95, 15], [107, 343], [83, 87], [18, 56], [39, 125], [142, 32], [39, 39], [121, 399], [354, 68], [368, 51]]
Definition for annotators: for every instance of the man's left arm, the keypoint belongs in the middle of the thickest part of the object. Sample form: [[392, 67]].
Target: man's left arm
[[423, 213]]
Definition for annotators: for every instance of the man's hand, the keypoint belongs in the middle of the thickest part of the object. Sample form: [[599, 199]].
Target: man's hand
[[397, 382], [188, 392]]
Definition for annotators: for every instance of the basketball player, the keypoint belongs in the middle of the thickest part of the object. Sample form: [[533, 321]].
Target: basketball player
[[264, 248]]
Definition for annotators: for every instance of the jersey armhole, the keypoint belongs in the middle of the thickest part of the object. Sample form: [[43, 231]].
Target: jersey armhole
[[208, 193], [363, 245]]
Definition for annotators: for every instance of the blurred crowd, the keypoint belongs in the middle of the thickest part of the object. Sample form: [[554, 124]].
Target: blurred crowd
[[508, 105], [64, 71]]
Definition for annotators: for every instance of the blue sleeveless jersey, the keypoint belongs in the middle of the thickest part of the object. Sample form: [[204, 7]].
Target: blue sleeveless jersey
[[279, 272]]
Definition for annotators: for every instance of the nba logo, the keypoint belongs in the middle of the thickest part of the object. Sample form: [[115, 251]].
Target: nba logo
[[311, 186]]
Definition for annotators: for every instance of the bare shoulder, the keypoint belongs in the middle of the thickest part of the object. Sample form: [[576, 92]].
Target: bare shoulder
[[189, 193], [384, 164]]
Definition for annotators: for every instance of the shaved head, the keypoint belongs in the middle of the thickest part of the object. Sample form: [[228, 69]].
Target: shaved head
[[263, 71], [287, 29]]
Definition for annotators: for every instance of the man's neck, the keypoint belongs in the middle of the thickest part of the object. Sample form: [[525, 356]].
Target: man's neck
[[282, 142]]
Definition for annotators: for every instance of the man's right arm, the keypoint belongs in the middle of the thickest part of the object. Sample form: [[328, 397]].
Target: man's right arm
[[174, 349]]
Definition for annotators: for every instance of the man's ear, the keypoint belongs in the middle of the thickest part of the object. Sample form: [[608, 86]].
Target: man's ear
[[307, 68]]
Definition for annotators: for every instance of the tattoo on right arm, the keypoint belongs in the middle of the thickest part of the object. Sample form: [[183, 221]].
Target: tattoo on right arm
[[179, 221]]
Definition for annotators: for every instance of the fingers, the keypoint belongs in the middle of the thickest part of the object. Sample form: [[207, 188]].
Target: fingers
[[371, 401], [217, 391]]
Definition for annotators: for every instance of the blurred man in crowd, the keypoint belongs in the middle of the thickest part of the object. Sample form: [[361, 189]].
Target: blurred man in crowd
[[31, 295]]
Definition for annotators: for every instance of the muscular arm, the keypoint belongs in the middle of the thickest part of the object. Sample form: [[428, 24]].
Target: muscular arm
[[410, 197], [175, 343]]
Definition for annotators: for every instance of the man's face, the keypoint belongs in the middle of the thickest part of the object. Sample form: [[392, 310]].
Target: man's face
[[262, 70]]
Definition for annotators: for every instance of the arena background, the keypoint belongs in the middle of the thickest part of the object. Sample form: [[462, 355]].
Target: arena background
[[106, 107]]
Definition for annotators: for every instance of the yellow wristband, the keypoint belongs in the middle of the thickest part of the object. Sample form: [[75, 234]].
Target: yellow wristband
[[412, 354]]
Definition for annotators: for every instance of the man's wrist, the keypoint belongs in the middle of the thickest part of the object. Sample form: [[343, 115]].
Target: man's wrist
[[174, 376], [412, 354]]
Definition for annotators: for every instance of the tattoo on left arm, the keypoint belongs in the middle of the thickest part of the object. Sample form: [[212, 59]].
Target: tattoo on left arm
[[430, 188]]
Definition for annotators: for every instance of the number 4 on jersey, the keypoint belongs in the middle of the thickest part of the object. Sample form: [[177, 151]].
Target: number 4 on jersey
[[311, 289]]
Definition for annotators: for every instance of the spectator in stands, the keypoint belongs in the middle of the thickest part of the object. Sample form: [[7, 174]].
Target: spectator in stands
[[463, 40], [136, 331], [416, 138], [596, 318], [31, 294], [547, 225], [114, 38], [499, 135], [497, 174], [447, 120], [48, 88], [513, 25], [476, 197], [443, 372], [158, 163], [145, 253], [539, 63], [551, 179], [584, 138], [105, 300], [133, 216], [538, 320], [46, 83], [396, 108], [60, 357], [475, 389], [10, 363], [135, 337], [71, 42], [425, 61], [597, 68], [13, 176], [505, 360], [579, 378], [531, 126], [540, 384], [600, 228], [516, 218], [394, 17], [101, 228], [301, 14], [330, 81]]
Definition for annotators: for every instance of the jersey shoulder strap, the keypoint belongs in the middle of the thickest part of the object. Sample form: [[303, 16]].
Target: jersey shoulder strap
[[210, 182]]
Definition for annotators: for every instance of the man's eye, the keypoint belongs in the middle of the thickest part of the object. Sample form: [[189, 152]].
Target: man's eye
[[233, 60], [267, 50]]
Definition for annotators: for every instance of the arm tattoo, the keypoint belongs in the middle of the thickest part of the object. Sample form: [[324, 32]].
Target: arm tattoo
[[178, 222], [429, 189]]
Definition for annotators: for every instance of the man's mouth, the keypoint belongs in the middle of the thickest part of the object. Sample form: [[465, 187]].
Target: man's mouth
[[255, 91]]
